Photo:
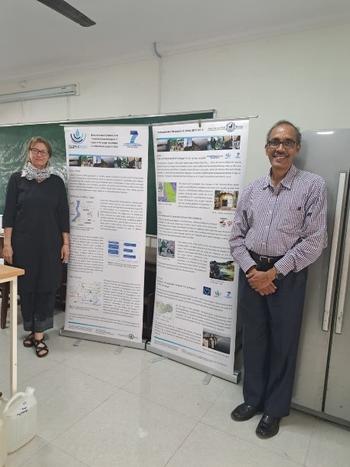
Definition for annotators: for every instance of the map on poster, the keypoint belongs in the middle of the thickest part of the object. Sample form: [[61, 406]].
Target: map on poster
[[82, 213]]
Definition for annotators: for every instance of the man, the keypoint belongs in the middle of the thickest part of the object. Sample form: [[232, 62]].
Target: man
[[279, 229]]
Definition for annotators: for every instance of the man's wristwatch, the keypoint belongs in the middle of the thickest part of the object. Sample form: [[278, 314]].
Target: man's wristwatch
[[278, 275], [250, 269]]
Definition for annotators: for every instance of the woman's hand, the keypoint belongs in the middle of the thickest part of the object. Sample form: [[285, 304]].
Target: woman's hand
[[8, 254], [65, 253]]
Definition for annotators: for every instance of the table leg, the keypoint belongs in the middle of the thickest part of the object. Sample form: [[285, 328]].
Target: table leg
[[13, 309]]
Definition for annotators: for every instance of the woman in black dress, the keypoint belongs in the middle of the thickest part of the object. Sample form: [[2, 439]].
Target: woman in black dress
[[36, 238]]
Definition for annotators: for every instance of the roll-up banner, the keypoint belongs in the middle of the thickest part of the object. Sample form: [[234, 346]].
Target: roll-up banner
[[107, 188], [199, 174]]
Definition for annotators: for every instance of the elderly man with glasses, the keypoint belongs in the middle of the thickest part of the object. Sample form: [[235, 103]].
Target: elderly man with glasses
[[279, 230]]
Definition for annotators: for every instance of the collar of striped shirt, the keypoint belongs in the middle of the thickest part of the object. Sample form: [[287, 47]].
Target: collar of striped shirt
[[286, 182]]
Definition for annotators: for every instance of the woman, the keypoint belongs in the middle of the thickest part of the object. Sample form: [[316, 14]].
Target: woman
[[36, 238]]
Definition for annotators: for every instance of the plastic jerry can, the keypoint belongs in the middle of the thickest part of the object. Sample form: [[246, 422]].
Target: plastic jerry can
[[20, 417], [3, 447]]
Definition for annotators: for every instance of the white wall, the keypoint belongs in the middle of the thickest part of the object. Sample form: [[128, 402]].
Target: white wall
[[120, 90], [302, 76]]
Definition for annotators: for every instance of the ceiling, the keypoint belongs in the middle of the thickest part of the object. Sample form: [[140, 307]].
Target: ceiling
[[36, 40]]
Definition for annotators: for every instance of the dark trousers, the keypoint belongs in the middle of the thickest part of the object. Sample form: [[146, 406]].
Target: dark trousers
[[271, 329], [37, 310]]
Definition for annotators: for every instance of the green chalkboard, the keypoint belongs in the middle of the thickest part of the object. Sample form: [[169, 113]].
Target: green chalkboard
[[13, 142]]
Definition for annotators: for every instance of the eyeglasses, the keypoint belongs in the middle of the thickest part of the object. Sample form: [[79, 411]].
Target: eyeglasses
[[36, 152], [287, 143]]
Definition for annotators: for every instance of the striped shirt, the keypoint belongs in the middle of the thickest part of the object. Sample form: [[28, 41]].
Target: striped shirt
[[288, 220]]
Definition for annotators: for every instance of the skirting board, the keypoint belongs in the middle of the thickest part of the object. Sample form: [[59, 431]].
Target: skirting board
[[321, 415], [234, 378], [101, 339]]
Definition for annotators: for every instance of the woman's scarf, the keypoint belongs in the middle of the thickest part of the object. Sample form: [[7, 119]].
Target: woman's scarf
[[32, 173]]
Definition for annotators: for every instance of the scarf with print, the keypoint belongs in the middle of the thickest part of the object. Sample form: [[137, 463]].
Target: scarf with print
[[32, 173]]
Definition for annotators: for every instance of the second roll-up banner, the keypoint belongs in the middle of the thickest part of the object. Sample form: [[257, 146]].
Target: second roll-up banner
[[108, 203], [199, 171]]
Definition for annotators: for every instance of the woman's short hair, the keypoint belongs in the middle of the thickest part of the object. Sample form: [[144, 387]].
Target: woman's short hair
[[39, 139]]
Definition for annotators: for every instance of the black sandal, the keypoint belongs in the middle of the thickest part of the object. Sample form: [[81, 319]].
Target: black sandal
[[41, 349], [28, 341]]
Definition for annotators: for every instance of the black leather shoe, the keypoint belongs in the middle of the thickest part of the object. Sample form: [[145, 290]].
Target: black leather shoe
[[243, 412], [268, 426]]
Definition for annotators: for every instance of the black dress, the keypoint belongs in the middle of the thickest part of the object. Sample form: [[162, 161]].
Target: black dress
[[38, 214]]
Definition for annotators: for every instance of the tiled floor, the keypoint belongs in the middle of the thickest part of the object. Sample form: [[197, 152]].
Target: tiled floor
[[107, 406]]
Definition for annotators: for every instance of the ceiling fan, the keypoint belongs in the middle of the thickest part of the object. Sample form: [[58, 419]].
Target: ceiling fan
[[70, 12]]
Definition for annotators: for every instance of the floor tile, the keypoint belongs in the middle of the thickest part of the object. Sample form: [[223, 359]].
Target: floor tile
[[292, 441], [22, 455], [50, 456], [62, 348], [126, 431], [114, 364], [207, 447], [64, 396], [329, 447], [28, 366], [178, 387]]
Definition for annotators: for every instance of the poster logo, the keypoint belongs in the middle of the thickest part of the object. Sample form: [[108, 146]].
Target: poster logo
[[132, 142], [230, 126], [207, 291], [78, 137], [133, 135]]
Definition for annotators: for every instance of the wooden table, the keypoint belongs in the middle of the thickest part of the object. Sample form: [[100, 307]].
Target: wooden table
[[10, 274]]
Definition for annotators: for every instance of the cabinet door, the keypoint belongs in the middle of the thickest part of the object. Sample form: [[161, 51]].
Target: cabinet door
[[337, 400], [324, 153]]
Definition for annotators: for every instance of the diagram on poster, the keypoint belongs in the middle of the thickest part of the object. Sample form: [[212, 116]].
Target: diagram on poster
[[87, 294]]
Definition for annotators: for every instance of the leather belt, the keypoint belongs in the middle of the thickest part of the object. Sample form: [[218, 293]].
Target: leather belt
[[261, 259]]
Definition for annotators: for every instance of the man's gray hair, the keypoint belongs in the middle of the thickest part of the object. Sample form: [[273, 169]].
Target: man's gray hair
[[285, 122]]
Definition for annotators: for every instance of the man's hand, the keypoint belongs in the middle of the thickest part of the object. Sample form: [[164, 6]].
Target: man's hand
[[262, 281]]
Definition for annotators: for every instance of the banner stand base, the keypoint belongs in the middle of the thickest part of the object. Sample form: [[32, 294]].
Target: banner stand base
[[234, 378], [101, 339]]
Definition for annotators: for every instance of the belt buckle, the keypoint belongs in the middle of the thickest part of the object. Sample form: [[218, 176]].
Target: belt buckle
[[265, 259]]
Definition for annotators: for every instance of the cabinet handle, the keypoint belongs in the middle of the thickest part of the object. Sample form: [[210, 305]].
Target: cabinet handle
[[342, 185], [343, 280]]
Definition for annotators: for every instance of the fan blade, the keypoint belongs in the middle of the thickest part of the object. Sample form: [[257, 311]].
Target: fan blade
[[68, 11]]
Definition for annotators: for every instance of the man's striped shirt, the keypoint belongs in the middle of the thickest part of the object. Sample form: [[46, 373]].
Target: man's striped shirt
[[288, 220]]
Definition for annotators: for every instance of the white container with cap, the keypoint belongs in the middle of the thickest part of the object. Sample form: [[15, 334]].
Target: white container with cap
[[20, 418], [3, 447]]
